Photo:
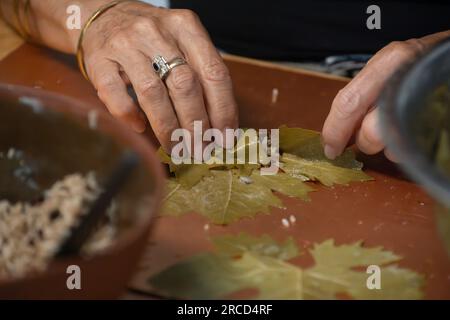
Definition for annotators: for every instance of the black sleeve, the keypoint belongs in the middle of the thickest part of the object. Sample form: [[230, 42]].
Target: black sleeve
[[313, 29]]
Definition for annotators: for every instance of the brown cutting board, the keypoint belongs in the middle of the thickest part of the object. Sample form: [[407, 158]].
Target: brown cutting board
[[390, 211]]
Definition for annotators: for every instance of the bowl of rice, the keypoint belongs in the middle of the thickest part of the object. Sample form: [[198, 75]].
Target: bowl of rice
[[56, 155]]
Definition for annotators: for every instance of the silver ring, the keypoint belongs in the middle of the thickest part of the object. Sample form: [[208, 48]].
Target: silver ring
[[162, 67]]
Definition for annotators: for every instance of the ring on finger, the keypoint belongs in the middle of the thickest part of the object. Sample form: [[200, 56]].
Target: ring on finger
[[163, 68]]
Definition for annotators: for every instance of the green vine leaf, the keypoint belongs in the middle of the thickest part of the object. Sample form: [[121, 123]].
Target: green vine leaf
[[333, 273], [226, 193], [260, 264], [307, 145], [237, 245], [224, 197], [323, 171], [243, 262]]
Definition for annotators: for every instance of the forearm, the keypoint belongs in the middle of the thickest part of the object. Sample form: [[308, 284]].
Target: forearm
[[47, 20]]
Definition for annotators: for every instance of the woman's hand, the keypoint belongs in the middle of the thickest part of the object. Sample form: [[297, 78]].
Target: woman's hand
[[119, 48], [354, 113]]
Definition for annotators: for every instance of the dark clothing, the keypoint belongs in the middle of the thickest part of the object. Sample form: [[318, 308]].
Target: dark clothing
[[297, 30]]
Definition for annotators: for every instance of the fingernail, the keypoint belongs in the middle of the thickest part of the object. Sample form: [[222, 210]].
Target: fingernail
[[330, 152]]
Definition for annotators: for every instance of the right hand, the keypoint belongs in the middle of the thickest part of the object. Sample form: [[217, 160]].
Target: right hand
[[119, 48]]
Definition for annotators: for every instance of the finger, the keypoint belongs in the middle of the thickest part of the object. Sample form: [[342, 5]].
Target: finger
[[152, 96], [352, 102], [112, 90], [214, 77], [368, 137], [187, 97], [182, 82]]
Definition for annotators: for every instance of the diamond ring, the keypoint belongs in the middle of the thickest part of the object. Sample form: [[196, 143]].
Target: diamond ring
[[162, 67]]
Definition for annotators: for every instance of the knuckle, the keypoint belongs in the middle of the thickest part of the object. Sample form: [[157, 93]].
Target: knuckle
[[415, 45], [122, 111], [184, 81], [151, 88], [397, 45], [164, 130], [224, 115], [346, 103], [105, 84], [144, 25], [119, 41], [216, 71], [405, 50], [185, 16]]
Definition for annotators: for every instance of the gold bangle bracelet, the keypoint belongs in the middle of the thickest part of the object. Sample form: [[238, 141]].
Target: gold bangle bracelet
[[80, 51]]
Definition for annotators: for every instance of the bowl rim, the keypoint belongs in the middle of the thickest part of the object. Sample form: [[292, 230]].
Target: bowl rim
[[76, 109], [394, 130]]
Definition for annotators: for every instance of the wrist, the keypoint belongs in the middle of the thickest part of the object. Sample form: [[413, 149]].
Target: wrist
[[52, 19], [87, 9]]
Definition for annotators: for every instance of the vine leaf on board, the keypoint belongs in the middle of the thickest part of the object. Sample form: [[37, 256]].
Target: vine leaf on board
[[224, 197], [323, 171], [225, 193], [186, 174], [239, 263], [237, 245], [260, 264], [333, 273], [307, 144]]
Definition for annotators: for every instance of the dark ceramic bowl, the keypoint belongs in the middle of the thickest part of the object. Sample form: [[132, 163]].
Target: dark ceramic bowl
[[53, 133], [409, 121]]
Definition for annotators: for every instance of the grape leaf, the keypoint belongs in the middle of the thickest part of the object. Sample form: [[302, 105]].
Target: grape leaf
[[209, 276], [221, 273], [223, 197], [213, 275], [323, 171], [307, 144], [219, 192], [234, 246], [333, 273], [187, 174]]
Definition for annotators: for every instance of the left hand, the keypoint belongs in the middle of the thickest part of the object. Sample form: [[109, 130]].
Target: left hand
[[354, 112]]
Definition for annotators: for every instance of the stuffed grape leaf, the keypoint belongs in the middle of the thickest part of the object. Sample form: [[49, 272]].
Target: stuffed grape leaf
[[239, 264]]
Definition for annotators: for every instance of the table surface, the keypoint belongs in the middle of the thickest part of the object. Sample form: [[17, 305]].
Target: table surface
[[390, 211]]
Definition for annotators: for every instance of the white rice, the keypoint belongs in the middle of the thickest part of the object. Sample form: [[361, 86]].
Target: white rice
[[30, 234]]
